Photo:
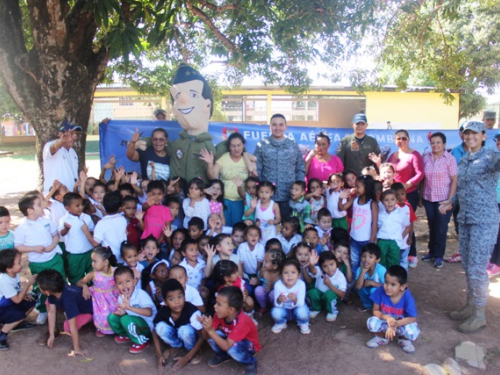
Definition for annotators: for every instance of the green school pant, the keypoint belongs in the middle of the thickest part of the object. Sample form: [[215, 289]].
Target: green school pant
[[340, 223], [55, 263], [134, 327], [321, 300], [390, 254], [78, 266]]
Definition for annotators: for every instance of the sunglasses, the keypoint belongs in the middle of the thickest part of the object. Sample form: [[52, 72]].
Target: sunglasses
[[402, 139]]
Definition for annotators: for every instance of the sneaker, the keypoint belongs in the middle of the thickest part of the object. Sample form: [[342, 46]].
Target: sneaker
[[376, 341], [438, 263], [122, 339], [427, 257], [304, 328], [4, 345], [313, 314], [412, 262], [406, 345], [99, 333], [23, 325], [277, 328], [197, 358], [455, 258], [218, 360], [494, 270], [331, 317], [136, 349], [41, 319], [251, 368]]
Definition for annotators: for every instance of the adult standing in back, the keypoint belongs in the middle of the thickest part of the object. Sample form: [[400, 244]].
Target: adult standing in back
[[280, 161], [354, 149], [60, 161]]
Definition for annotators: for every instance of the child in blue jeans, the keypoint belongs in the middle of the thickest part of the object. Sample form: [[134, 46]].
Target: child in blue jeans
[[231, 333], [177, 324], [370, 275], [394, 312]]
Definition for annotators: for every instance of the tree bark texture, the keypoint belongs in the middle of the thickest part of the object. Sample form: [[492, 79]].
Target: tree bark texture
[[54, 78]]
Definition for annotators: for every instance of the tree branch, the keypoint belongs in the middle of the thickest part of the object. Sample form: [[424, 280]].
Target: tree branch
[[217, 8], [198, 12]]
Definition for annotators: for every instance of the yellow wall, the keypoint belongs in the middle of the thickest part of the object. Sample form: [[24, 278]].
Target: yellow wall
[[411, 110]]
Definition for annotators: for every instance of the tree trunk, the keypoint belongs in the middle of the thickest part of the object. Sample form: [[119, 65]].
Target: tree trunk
[[55, 79]]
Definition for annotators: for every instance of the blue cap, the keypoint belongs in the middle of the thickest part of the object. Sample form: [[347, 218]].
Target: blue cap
[[360, 117], [66, 125]]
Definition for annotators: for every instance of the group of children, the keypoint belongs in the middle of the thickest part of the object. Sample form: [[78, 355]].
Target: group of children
[[153, 261]]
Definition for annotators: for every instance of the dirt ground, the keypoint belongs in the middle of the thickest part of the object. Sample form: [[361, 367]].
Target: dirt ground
[[337, 347]]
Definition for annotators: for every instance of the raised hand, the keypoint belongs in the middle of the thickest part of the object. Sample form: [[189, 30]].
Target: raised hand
[[345, 194], [136, 135], [377, 159], [210, 250], [238, 182], [111, 162], [167, 231], [207, 156], [139, 215], [254, 202], [313, 258]]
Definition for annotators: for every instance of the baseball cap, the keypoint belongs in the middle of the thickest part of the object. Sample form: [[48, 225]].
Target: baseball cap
[[489, 115], [160, 111], [360, 117], [66, 125], [475, 126]]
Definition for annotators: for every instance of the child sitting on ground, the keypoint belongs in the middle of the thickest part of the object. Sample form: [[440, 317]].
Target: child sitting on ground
[[394, 312], [251, 254], [231, 333], [290, 299], [341, 251], [289, 235], [6, 235], [192, 295], [133, 319], [330, 285], [15, 302], [370, 275], [76, 308], [178, 325], [268, 275], [159, 274]]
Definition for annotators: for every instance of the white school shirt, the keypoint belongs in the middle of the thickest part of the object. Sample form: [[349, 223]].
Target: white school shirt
[[196, 273], [62, 166], [56, 211], [9, 287], [392, 225], [250, 258], [338, 280], [225, 230], [299, 289], [287, 245], [37, 233], [75, 240], [233, 258], [332, 203], [193, 296], [321, 232], [111, 231], [140, 299]]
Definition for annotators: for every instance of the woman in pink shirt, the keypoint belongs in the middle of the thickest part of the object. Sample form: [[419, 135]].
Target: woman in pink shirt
[[319, 163]]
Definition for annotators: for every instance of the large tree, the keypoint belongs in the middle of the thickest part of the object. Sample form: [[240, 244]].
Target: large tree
[[53, 53]]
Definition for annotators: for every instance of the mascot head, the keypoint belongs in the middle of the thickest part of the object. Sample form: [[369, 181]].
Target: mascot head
[[192, 100]]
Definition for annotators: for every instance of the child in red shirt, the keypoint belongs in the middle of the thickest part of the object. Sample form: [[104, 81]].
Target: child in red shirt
[[231, 333]]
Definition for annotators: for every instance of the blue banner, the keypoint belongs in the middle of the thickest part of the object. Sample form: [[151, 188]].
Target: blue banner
[[115, 135]]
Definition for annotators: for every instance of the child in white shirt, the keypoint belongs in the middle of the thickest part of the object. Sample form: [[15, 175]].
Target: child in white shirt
[[330, 285], [289, 236]]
